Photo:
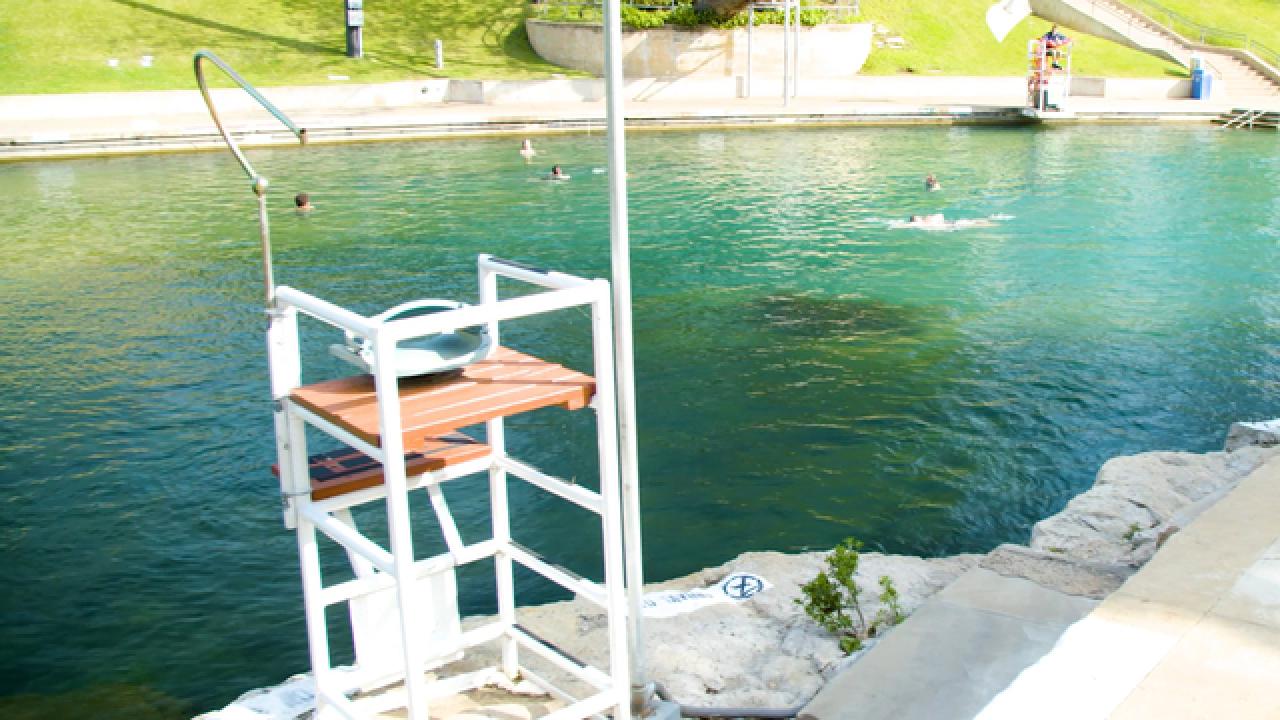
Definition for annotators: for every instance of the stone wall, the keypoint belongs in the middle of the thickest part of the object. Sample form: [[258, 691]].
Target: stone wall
[[826, 51]]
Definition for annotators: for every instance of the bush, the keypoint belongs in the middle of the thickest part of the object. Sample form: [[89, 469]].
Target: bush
[[682, 15], [643, 19], [832, 599]]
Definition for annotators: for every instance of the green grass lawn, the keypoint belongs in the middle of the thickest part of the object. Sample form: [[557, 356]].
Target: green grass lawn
[[58, 46], [55, 46]]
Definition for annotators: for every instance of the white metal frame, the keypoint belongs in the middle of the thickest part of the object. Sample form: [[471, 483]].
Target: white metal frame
[[379, 569], [1046, 84]]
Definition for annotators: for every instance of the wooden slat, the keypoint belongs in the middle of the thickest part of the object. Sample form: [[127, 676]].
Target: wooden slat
[[343, 471], [506, 383]]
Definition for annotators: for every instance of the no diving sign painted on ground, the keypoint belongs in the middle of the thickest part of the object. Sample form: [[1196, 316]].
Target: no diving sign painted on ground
[[738, 587]]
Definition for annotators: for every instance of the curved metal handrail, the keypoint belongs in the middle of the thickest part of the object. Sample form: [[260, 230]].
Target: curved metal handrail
[[259, 183]]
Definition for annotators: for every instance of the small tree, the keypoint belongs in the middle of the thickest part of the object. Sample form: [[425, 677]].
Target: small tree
[[832, 599]]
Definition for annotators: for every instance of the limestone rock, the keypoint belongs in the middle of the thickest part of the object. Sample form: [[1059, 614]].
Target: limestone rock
[[1244, 434], [764, 652], [1052, 570], [1134, 497]]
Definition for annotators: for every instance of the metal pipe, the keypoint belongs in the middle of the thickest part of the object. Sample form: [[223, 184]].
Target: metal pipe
[[795, 53], [751, 26], [786, 52], [259, 183], [620, 255]]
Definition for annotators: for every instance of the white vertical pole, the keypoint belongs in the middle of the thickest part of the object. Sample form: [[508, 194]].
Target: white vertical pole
[[500, 517], [285, 365], [499, 503], [795, 52], [751, 27], [786, 49], [611, 523], [392, 442], [312, 589], [620, 244]]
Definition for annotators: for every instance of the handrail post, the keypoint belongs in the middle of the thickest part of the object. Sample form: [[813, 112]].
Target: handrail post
[[258, 183]]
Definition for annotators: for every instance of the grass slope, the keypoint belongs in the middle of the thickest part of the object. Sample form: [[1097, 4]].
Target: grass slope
[[53, 46], [1258, 19], [57, 46]]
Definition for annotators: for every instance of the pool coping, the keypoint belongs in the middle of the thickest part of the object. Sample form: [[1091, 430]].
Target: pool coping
[[36, 138]]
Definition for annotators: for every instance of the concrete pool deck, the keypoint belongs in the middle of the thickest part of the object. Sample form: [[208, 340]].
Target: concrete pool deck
[[40, 127], [1194, 634]]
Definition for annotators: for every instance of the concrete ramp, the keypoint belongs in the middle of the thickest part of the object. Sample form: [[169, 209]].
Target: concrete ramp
[[953, 655]]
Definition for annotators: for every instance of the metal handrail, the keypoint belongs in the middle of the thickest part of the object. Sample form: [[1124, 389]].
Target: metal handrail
[[1246, 116], [259, 183], [1206, 33]]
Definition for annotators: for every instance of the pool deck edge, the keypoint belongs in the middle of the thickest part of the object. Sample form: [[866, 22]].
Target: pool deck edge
[[28, 136]]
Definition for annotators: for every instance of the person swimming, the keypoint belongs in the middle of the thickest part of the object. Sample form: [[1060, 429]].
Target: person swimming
[[557, 174], [302, 203], [938, 221], [931, 183]]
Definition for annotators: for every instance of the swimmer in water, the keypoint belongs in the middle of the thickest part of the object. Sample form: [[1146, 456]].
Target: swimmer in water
[[527, 151], [937, 221], [302, 203], [931, 183], [557, 174]]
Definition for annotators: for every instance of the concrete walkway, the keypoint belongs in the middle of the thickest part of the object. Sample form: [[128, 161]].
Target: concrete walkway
[[1194, 634], [101, 124]]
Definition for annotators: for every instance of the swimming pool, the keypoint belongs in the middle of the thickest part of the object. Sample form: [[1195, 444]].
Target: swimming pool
[[805, 372]]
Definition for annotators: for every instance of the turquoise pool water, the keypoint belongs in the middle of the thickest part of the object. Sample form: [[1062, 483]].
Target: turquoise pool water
[[805, 373]]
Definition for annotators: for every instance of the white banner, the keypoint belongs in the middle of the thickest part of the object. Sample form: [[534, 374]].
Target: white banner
[[737, 587]]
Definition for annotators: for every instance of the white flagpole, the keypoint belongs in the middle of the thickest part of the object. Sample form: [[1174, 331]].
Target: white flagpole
[[620, 245]]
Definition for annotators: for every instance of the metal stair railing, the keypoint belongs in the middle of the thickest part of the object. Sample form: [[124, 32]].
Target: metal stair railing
[[1185, 27], [1245, 116]]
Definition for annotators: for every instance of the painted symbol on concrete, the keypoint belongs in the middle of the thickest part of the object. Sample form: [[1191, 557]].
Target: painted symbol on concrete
[[741, 587]]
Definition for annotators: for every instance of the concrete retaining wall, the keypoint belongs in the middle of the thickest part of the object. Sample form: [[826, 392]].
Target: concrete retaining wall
[[826, 51], [228, 101], [1130, 88], [298, 101]]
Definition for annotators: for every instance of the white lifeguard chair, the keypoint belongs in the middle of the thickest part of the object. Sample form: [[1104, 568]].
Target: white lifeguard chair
[[401, 437], [1048, 75]]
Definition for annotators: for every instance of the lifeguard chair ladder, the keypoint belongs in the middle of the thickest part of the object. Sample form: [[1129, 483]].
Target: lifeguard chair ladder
[[1048, 75], [404, 614]]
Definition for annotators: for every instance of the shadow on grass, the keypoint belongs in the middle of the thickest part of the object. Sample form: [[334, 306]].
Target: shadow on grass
[[288, 42]]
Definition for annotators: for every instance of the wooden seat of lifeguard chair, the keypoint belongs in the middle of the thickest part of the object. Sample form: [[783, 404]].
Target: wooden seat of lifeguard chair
[[347, 470]]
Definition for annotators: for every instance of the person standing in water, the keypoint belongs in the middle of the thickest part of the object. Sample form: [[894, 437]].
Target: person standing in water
[[527, 151], [931, 183]]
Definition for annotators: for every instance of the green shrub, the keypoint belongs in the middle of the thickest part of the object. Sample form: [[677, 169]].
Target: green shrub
[[832, 599], [643, 19], [682, 15]]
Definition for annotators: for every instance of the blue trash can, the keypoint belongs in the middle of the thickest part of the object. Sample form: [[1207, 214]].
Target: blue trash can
[[1200, 84]]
